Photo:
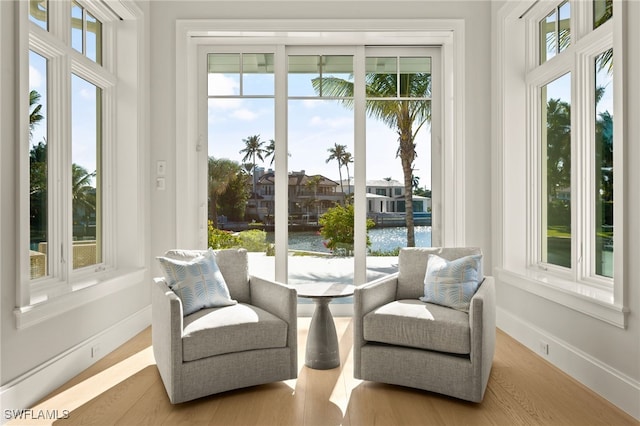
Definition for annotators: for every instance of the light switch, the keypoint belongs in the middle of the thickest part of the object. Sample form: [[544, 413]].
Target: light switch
[[160, 184], [161, 167]]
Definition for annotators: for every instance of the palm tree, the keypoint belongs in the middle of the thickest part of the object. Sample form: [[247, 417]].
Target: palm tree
[[35, 116], [83, 193], [347, 159], [406, 115], [222, 172], [337, 153], [254, 147], [270, 151]]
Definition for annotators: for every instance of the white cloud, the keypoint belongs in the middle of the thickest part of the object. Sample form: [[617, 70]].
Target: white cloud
[[35, 78], [221, 85], [86, 93], [244, 114], [333, 122], [310, 103]]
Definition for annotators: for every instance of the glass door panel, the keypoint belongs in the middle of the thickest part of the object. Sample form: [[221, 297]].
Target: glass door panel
[[320, 141], [241, 149], [398, 129]]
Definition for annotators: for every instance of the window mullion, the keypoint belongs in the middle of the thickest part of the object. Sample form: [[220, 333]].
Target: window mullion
[[579, 173], [64, 221]]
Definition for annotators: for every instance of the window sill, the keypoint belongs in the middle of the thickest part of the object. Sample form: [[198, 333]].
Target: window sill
[[109, 283], [595, 302]]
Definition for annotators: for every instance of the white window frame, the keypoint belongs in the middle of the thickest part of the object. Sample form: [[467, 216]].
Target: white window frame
[[121, 267], [191, 137], [578, 287]]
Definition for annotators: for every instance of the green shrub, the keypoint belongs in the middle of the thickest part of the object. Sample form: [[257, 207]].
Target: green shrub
[[219, 239], [253, 240], [337, 229], [391, 252]]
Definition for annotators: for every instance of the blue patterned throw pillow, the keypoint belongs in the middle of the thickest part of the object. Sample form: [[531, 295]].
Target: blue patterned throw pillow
[[198, 282], [452, 283]]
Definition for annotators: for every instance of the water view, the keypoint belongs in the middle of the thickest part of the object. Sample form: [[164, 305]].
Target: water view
[[382, 239]]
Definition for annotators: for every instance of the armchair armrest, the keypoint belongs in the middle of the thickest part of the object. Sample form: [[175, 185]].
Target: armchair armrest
[[281, 301], [276, 298], [375, 294], [366, 298], [166, 332], [482, 323]]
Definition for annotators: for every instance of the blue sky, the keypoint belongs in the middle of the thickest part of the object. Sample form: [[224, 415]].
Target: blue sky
[[314, 127]]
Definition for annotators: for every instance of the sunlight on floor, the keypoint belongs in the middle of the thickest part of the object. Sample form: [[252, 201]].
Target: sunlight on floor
[[92, 387]]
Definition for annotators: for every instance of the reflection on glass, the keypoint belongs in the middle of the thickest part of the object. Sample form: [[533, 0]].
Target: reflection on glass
[[604, 168], [77, 26], [548, 40], [555, 32], [86, 33], [38, 13], [556, 172], [86, 138], [602, 12], [223, 71], [94, 39], [564, 26], [415, 77], [316, 75], [38, 175], [257, 74]]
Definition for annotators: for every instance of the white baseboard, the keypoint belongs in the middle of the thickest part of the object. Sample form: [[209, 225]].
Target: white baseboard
[[616, 387], [26, 390]]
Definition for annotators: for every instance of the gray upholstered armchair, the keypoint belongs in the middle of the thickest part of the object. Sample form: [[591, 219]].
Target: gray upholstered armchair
[[222, 348], [401, 340]]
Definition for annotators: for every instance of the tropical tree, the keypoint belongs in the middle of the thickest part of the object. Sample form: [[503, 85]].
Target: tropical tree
[[83, 194], [347, 159], [37, 172], [270, 151], [337, 153], [254, 148], [82, 190], [313, 183], [233, 201], [406, 115], [35, 116], [221, 173], [338, 229]]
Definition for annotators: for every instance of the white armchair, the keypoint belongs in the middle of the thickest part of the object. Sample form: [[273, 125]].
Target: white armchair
[[218, 349], [401, 340]]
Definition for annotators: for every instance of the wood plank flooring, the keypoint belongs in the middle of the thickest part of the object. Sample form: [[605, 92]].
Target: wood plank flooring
[[124, 388]]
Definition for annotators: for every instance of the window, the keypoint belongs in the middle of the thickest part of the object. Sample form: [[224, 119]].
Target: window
[[555, 32], [572, 144], [555, 171], [76, 136], [86, 33], [584, 96], [561, 147], [80, 133]]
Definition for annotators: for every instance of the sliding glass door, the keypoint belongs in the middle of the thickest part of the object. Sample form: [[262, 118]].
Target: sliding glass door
[[357, 125]]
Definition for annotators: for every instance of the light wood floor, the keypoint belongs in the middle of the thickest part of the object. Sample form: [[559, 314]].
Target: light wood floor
[[125, 388]]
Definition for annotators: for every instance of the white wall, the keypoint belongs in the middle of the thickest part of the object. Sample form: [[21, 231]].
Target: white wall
[[44, 350], [603, 356]]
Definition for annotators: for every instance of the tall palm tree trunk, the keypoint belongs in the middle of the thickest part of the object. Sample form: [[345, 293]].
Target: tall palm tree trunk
[[407, 151]]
